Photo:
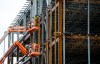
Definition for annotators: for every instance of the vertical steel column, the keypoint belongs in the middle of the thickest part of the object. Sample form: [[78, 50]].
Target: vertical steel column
[[50, 35], [39, 42], [55, 31], [42, 37], [24, 19], [47, 53], [63, 31], [39, 31], [17, 48], [31, 10], [4, 46], [9, 41], [37, 7], [31, 36], [4, 49], [47, 36], [38, 2], [60, 30], [40, 6], [47, 23], [88, 32]]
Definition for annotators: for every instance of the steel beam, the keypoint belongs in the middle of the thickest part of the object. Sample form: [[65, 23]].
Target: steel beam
[[9, 40], [47, 44], [55, 32], [88, 32], [12, 55], [60, 30], [21, 59], [56, 5], [42, 36], [24, 20], [17, 48], [82, 37], [50, 35], [63, 31], [4, 36], [26, 60]]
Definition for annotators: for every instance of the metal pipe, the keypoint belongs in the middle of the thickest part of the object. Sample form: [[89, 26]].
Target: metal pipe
[[42, 35], [55, 32], [26, 60], [46, 27], [23, 37], [17, 48], [88, 31], [37, 7], [31, 11], [21, 59], [50, 35], [4, 48], [63, 31], [12, 54], [60, 43], [4, 36], [47, 23], [9, 40], [24, 20], [4, 45]]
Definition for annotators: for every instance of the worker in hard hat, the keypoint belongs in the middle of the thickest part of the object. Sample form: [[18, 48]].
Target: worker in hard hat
[[36, 24], [36, 21]]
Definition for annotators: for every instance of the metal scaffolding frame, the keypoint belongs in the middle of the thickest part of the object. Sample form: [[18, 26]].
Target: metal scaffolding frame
[[64, 35]]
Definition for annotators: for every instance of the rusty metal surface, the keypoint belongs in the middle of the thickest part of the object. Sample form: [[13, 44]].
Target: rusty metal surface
[[60, 30]]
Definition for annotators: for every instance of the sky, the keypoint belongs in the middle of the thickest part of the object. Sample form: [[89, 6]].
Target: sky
[[8, 11]]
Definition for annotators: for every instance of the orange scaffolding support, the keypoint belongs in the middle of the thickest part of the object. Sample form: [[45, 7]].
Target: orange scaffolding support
[[20, 46]]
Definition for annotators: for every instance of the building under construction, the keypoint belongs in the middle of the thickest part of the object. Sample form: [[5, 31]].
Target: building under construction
[[55, 32]]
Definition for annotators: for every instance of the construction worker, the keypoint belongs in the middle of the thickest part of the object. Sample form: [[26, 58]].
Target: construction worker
[[36, 24], [36, 21]]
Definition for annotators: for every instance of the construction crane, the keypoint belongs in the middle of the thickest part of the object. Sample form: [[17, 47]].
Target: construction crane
[[21, 47]]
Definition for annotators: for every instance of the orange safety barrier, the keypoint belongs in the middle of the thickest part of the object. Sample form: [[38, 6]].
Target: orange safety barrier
[[7, 53], [36, 50], [16, 43], [33, 29], [17, 29], [19, 45]]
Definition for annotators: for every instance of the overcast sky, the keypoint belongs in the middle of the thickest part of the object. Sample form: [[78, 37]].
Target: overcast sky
[[8, 11]]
